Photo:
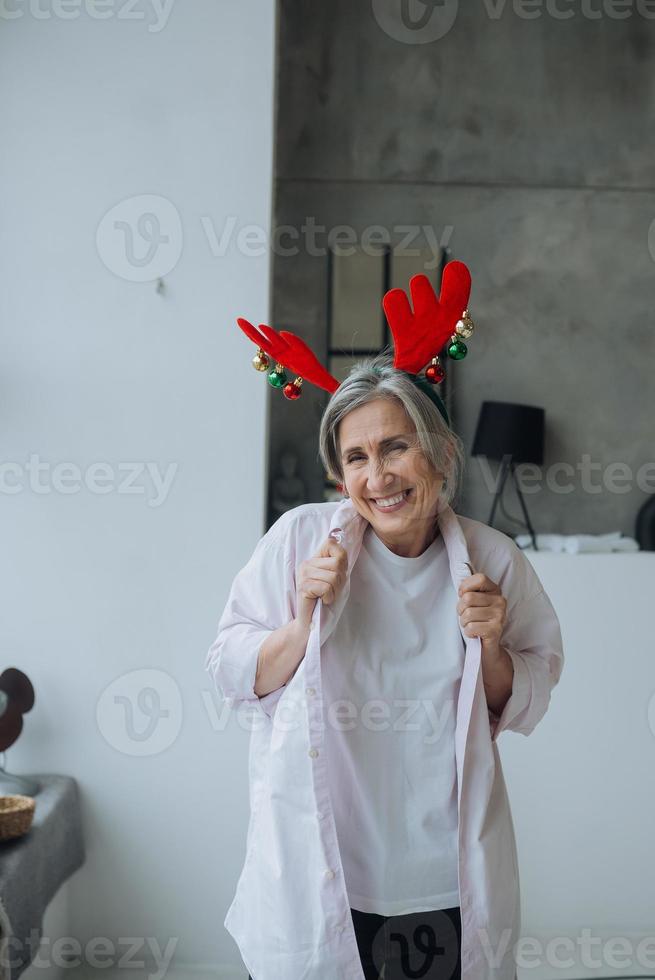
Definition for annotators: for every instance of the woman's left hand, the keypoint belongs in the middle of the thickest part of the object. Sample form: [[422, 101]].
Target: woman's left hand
[[482, 610]]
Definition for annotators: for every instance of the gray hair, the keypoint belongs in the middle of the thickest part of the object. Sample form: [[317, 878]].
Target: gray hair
[[375, 377]]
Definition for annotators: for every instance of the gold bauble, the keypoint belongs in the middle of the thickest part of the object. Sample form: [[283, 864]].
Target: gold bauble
[[465, 327], [260, 361]]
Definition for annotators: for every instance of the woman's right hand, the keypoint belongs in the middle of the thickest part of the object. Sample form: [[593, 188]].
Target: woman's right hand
[[324, 575]]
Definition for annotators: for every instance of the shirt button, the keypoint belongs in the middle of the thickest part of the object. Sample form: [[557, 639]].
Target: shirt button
[[329, 873], [320, 815], [313, 753], [310, 690]]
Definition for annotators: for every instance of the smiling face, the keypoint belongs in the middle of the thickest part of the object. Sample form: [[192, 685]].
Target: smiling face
[[382, 459]]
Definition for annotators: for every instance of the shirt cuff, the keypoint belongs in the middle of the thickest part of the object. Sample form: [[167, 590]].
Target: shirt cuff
[[234, 677], [518, 700]]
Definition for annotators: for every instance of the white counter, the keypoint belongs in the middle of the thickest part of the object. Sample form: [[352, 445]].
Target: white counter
[[582, 786]]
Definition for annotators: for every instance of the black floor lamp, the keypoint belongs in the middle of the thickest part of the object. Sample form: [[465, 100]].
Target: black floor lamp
[[511, 434]]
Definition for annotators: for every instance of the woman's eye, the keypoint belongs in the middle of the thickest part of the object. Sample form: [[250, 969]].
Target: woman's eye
[[396, 447]]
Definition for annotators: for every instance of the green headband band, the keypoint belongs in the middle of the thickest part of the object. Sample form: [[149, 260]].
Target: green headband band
[[429, 390]]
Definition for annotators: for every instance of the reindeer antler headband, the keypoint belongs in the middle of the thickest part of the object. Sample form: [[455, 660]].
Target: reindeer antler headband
[[419, 336]]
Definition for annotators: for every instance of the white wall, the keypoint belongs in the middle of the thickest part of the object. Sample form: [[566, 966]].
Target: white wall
[[97, 367]]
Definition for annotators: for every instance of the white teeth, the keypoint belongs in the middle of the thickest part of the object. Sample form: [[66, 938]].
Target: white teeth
[[390, 501]]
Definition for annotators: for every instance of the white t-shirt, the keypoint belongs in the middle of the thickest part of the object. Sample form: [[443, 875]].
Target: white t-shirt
[[395, 658]]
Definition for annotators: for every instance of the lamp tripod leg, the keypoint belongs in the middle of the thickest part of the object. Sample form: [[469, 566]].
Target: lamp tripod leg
[[524, 508], [504, 471]]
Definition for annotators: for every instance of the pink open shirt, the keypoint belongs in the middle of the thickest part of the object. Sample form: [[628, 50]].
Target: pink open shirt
[[290, 916]]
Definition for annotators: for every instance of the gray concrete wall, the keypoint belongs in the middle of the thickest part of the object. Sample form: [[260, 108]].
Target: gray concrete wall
[[528, 145]]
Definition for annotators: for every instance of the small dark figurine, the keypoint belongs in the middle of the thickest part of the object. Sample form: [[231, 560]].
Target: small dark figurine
[[16, 699], [645, 528]]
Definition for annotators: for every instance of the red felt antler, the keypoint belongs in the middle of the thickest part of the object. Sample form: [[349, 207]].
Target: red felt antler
[[421, 334], [290, 351], [306, 364]]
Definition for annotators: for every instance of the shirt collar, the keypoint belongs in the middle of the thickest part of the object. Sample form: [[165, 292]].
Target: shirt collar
[[352, 524]]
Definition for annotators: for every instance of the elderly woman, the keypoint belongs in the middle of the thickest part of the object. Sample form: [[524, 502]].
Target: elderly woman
[[384, 642]]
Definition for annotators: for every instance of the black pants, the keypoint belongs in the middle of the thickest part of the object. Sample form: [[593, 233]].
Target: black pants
[[419, 945]]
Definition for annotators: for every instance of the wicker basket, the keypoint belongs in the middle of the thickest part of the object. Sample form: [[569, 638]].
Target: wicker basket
[[16, 814]]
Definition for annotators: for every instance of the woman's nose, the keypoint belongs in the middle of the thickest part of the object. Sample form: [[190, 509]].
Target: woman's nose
[[378, 479]]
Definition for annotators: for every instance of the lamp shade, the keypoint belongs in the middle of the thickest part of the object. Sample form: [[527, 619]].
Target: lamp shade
[[506, 429]]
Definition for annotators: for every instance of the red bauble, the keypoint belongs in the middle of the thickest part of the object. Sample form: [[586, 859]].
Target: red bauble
[[291, 390], [435, 373]]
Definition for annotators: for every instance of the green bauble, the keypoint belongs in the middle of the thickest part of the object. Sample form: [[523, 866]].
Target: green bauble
[[457, 349], [277, 378]]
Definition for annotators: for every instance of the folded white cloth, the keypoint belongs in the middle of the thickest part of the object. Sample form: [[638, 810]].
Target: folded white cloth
[[574, 544]]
